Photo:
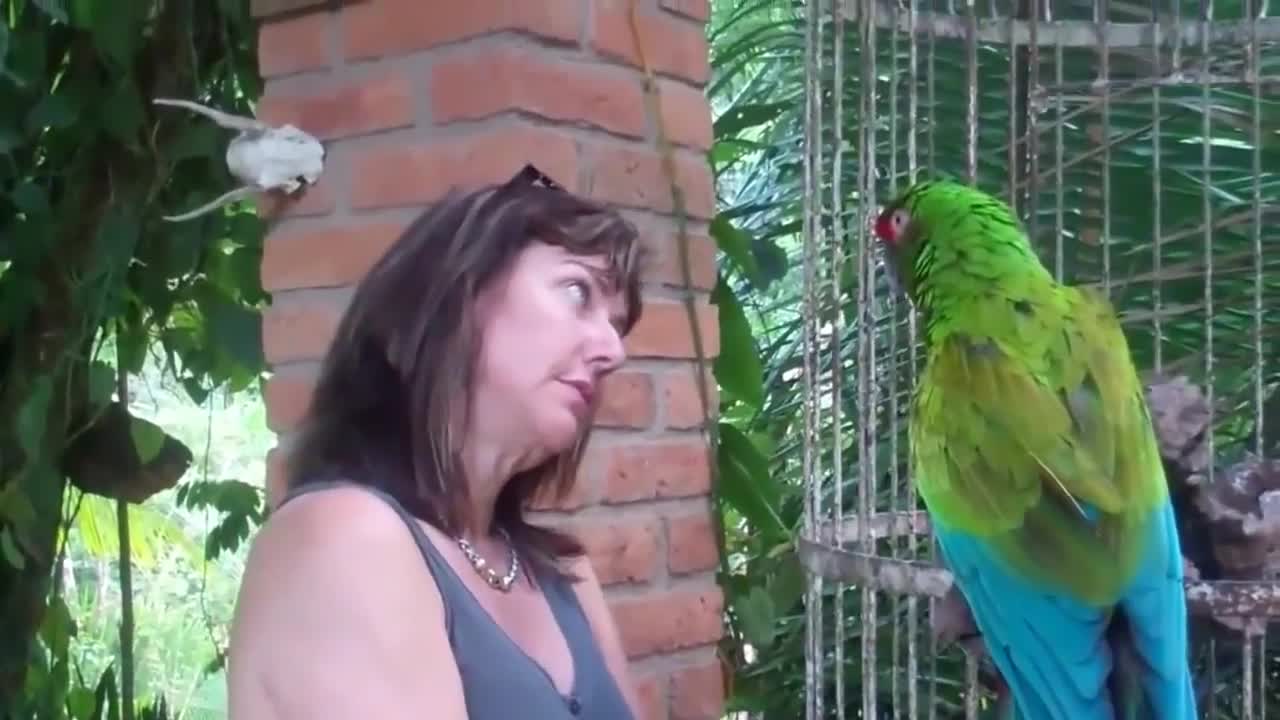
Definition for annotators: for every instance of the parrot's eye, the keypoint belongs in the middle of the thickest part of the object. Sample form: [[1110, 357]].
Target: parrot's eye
[[900, 218]]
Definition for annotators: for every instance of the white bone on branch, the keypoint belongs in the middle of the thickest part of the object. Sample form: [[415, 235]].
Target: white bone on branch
[[262, 157]]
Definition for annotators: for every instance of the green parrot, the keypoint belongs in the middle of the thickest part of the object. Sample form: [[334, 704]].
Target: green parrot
[[1036, 458]]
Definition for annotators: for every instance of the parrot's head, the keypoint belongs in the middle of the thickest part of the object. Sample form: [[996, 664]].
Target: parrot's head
[[902, 228], [931, 217]]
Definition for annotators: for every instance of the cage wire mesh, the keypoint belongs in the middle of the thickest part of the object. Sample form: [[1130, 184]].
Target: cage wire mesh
[[1140, 145]]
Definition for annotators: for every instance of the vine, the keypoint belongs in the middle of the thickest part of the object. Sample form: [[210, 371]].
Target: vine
[[653, 103]]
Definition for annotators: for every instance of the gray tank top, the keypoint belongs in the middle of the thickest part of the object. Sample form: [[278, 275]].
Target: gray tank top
[[500, 681]]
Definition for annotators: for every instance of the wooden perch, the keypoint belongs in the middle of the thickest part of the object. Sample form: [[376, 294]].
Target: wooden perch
[[104, 460]]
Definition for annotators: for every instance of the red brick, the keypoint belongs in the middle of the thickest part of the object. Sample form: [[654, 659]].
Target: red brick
[[698, 692], [657, 469], [665, 267], [681, 401], [351, 108], [627, 401], [393, 174], [288, 396], [691, 543], [621, 551], [686, 115], [699, 10], [301, 328], [672, 621], [652, 691], [330, 256], [664, 331], [487, 81], [378, 28], [634, 176], [672, 46], [319, 199], [294, 44]]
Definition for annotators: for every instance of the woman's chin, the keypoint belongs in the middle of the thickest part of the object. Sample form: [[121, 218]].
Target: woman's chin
[[561, 433]]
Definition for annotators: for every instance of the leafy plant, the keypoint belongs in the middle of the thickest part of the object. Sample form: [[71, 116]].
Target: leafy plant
[[92, 280]]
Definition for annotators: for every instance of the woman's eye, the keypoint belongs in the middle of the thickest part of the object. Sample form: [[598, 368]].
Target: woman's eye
[[580, 291]]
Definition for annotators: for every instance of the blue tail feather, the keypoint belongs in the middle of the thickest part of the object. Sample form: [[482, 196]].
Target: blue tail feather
[[1065, 660]]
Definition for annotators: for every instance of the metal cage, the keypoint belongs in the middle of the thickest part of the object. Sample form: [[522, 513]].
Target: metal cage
[[1140, 144]]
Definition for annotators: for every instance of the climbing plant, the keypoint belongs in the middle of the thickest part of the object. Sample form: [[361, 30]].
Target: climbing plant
[[93, 281]]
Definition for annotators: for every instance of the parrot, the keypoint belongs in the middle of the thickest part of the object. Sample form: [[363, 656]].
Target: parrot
[[1036, 459]]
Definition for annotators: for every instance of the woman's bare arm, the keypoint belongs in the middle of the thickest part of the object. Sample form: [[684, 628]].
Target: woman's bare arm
[[338, 617]]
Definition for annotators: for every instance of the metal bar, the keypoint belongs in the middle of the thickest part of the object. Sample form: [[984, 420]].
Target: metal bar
[[812, 173], [1217, 598], [837, 261], [1075, 33]]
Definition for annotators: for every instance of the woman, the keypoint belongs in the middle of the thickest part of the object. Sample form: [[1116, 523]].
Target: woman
[[399, 578]]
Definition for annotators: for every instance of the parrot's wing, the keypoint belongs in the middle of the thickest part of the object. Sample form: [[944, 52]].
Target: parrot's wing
[[1042, 447], [1039, 466]]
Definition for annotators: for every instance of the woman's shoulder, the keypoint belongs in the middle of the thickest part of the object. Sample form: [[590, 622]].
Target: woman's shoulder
[[334, 536], [336, 594]]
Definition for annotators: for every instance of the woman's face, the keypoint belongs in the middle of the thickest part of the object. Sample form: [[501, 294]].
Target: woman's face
[[549, 337]]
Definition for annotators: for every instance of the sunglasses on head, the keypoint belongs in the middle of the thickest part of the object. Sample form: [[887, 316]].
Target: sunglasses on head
[[533, 177]]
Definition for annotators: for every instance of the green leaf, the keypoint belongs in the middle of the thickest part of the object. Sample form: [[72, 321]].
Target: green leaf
[[737, 368], [52, 8], [33, 416], [82, 13], [787, 584], [102, 383], [756, 611], [29, 197], [57, 626], [57, 112], [117, 33], [9, 549], [739, 118], [117, 237], [240, 503], [234, 328], [17, 508], [4, 44], [151, 532], [736, 245], [80, 703], [122, 112], [148, 438], [746, 483]]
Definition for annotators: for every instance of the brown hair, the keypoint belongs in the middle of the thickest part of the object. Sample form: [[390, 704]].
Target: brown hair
[[383, 410]]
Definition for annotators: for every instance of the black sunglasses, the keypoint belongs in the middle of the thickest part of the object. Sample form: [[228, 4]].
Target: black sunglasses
[[532, 176]]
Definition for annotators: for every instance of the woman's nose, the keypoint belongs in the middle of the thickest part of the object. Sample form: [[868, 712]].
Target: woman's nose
[[605, 347]]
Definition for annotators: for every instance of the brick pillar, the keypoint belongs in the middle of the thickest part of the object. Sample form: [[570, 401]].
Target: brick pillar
[[411, 96]]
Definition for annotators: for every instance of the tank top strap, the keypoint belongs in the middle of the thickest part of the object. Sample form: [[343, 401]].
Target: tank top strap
[[447, 581]]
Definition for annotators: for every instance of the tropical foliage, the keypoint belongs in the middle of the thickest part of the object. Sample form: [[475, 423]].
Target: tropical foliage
[[94, 286], [1131, 169]]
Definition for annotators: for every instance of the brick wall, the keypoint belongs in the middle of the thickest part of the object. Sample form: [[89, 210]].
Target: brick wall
[[411, 96]]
